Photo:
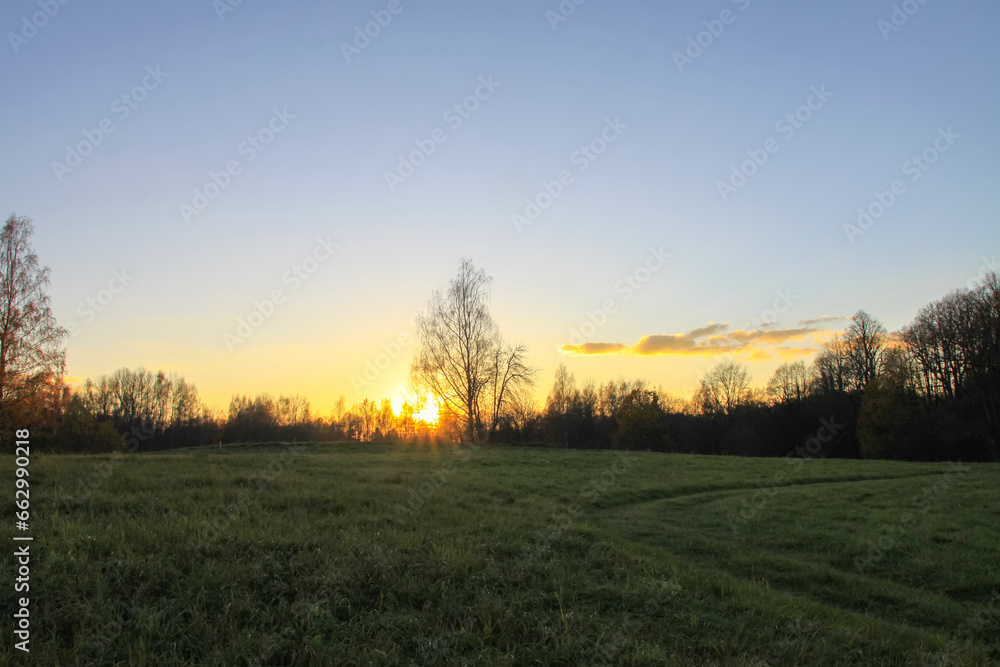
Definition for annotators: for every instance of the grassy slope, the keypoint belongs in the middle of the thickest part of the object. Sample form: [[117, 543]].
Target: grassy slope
[[252, 555]]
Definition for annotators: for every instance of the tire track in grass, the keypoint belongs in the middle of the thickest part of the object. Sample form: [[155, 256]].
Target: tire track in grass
[[654, 495], [816, 581]]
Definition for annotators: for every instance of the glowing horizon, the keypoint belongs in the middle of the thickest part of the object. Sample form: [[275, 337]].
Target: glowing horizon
[[239, 199]]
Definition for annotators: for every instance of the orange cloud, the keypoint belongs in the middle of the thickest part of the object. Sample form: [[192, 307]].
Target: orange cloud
[[709, 340], [594, 348]]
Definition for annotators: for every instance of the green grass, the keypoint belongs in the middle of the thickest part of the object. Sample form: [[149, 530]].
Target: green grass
[[252, 555]]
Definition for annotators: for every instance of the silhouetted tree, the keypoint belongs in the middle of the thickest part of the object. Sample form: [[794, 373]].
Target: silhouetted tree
[[461, 358], [790, 382], [832, 368], [32, 357], [640, 423], [725, 388], [865, 342]]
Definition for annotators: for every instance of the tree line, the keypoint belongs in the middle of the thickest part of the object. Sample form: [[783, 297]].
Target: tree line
[[930, 391]]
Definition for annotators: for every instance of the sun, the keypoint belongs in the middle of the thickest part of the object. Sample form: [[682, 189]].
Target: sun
[[430, 412]]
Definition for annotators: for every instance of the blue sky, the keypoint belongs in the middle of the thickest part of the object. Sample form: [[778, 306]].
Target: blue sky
[[892, 94]]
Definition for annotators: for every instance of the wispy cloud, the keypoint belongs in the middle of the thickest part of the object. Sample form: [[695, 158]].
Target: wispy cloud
[[823, 319], [595, 348], [714, 339]]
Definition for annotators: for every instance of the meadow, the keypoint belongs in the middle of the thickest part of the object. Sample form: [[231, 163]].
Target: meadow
[[423, 554]]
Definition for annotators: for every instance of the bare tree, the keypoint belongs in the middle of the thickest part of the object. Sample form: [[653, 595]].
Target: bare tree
[[292, 410], [955, 346], [521, 412], [832, 367], [385, 419], [186, 406], [460, 354], [511, 373], [339, 410], [725, 388], [789, 383], [562, 399], [32, 357], [866, 342]]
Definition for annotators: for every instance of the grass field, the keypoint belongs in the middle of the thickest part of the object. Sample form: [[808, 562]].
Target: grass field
[[405, 554]]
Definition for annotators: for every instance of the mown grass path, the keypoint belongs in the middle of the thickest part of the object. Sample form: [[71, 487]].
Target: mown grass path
[[390, 554]]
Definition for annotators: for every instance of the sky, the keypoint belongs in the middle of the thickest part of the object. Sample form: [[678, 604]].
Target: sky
[[260, 197]]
